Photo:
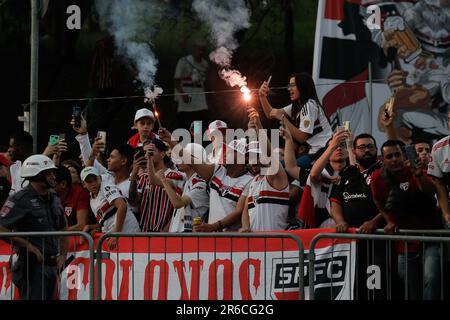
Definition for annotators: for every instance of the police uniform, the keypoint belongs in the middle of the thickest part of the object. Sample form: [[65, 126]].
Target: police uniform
[[27, 211]]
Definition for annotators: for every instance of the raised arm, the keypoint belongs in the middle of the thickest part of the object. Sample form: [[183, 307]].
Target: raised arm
[[134, 197], [176, 200], [320, 164], [289, 151]]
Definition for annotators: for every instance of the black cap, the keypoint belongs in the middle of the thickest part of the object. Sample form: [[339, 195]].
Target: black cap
[[160, 145]]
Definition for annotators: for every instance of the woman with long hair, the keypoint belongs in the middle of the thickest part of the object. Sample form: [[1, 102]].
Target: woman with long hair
[[307, 120]]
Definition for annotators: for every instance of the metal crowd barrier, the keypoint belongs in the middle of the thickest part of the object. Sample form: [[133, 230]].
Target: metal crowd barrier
[[299, 261], [404, 237], [58, 234]]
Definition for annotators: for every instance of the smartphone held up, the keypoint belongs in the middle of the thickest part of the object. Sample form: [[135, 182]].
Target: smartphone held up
[[101, 135], [76, 115]]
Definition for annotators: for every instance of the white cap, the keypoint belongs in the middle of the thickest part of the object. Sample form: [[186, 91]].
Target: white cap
[[239, 145], [35, 164], [143, 113], [253, 147], [216, 125], [88, 171]]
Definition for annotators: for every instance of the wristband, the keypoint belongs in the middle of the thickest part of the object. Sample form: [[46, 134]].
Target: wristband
[[220, 226]]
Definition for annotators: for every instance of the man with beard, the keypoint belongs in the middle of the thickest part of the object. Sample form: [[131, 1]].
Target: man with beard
[[352, 206], [351, 202]]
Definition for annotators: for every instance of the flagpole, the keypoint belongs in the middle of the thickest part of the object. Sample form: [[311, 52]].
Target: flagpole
[[34, 71]]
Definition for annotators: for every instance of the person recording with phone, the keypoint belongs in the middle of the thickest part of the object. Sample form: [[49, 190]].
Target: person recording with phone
[[405, 196], [307, 119], [56, 146], [147, 190], [119, 161]]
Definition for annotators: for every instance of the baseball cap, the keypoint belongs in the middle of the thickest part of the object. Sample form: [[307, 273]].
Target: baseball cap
[[216, 125], [143, 113], [160, 145], [239, 145], [88, 171]]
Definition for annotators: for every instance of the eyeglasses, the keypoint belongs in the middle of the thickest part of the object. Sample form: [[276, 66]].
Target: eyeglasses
[[366, 146]]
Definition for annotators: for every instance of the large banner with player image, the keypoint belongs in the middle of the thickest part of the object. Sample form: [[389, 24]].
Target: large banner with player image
[[205, 269], [407, 44]]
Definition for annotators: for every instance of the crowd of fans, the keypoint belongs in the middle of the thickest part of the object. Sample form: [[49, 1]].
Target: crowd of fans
[[323, 179]]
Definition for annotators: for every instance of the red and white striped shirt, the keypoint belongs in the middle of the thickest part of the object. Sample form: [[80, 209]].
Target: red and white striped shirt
[[267, 207], [156, 210], [225, 193]]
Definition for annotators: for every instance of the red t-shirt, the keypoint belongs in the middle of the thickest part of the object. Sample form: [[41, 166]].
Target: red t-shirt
[[134, 141], [420, 209], [77, 199]]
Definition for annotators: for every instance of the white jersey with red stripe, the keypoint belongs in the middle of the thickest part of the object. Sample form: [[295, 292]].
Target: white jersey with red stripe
[[225, 193], [439, 165], [267, 207], [102, 205], [194, 189], [312, 120]]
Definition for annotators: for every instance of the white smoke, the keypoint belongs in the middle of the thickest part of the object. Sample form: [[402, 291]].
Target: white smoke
[[224, 18], [131, 24]]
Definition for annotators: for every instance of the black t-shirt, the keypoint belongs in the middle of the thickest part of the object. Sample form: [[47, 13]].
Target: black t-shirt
[[354, 195]]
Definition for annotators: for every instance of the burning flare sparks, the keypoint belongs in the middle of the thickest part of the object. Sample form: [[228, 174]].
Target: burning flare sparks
[[246, 93]]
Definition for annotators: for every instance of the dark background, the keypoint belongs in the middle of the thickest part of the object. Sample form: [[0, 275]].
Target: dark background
[[279, 42]]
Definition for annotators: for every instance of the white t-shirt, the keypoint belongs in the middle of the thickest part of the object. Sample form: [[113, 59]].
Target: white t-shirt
[[16, 179], [312, 120], [192, 75], [195, 189], [439, 165], [103, 203], [267, 207], [225, 193]]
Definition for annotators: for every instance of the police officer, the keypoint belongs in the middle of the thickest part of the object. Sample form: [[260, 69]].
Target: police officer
[[35, 208]]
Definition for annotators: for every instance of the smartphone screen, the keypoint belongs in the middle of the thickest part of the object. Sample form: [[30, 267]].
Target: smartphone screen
[[197, 127], [53, 140]]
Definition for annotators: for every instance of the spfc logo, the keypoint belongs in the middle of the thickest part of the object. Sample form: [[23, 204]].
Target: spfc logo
[[225, 189], [68, 211], [404, 186]]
